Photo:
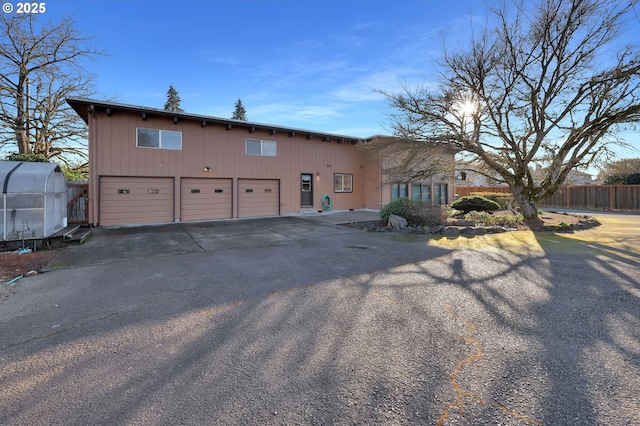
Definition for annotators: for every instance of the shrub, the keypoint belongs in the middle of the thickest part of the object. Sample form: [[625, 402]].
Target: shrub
[[622, 179], [474, 203], [430, 215], [510, 220], [27, 157], [403, 207], [417, 213], [502, 198]]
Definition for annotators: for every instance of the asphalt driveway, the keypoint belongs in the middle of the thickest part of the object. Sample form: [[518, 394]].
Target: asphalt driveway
[[301, 321]]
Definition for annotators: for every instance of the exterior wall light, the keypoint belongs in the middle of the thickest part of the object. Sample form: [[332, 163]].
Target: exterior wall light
[[207, 169]]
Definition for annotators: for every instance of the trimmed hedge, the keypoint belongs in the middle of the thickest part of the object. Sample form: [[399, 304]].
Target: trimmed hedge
[[474, 203], [502, 198]]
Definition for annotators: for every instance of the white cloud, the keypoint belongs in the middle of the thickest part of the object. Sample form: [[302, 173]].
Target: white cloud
[[294, 112], [367, 88]]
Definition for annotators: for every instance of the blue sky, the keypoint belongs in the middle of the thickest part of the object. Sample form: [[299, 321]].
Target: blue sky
[[308, 64]]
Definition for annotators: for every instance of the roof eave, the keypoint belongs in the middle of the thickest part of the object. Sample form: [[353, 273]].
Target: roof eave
[[83, 107]]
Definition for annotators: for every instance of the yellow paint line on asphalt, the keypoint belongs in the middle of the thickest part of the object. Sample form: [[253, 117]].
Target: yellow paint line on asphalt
[[461, 394]]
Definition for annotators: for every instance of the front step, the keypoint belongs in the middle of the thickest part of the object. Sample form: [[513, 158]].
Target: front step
[[71, 234], [68, 232], [78, 235]]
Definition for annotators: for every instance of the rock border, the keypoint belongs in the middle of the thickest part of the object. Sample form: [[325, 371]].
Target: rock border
[[455, 228]]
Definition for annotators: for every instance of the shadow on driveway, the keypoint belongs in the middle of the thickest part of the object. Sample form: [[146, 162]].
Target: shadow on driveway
[[335, 326]]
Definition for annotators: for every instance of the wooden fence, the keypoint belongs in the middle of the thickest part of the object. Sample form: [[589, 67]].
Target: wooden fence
[[586, 197], [77, 202]]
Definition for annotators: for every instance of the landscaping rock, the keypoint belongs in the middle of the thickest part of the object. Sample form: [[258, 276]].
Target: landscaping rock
[[462, 222], [451, 232], [480, 231], [436, 229], [397, 223], [494, 229], [467, 232]]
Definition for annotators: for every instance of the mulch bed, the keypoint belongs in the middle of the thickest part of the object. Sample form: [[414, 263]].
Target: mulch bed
[[13, 265]]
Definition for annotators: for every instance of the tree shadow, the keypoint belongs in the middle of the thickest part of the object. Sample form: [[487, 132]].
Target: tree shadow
[[312, 345], [373, 331], [573, 310]]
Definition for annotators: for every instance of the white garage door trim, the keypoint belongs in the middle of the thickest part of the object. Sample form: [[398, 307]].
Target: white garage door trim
[[135, 200], [205, 198], [258, 197]]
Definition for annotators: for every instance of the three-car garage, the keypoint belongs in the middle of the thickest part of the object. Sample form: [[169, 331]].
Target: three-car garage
[[141, 200]]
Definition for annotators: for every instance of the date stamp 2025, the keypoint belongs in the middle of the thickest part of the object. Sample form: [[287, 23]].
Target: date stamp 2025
[[24, 8]]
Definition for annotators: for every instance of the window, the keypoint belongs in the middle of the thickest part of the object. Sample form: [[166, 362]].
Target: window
[[398, 190], [161, 139], [343, 182], [440, 193], [259, 147], [421, 191]]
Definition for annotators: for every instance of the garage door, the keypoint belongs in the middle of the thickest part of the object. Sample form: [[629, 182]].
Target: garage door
[[135, 200], [258, 197], [203, 199]]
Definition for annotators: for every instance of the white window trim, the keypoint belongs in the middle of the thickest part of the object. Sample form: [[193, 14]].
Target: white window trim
[[160, 132], [342, 189], [262, 147]]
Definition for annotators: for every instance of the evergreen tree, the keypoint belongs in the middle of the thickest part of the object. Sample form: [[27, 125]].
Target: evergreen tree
[[239, 113], [173, 100]]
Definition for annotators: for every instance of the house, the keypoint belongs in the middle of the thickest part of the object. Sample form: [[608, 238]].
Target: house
[[574, 178], [477, 174], [149, 165]]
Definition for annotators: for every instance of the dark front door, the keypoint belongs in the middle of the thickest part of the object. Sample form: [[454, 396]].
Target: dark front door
[[306, 190]]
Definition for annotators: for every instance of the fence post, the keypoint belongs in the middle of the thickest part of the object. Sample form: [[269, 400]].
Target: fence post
[[611, 189]]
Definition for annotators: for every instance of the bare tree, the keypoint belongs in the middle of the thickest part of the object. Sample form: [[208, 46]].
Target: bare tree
[[40, 65], [538, 87], [411, 160]]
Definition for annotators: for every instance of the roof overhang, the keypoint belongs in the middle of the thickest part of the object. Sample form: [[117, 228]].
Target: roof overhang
[[85, 107]]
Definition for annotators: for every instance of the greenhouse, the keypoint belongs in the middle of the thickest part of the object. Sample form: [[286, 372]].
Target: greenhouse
[[33, 202]]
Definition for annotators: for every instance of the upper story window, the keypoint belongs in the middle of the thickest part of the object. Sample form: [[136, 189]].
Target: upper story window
[[161, 139], [260, 147], [343, 182]]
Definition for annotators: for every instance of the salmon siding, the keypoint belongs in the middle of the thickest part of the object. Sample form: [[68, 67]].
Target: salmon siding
[[151, 166]]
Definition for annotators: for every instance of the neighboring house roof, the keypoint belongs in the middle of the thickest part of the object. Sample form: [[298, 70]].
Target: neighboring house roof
[[575, 177], [476, 174], [83, 106]]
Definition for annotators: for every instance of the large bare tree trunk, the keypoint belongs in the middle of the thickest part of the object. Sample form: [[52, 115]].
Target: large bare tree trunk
[[527, 205], [23, 141]]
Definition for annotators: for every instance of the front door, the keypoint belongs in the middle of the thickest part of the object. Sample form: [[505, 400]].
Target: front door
[[306, 190]]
